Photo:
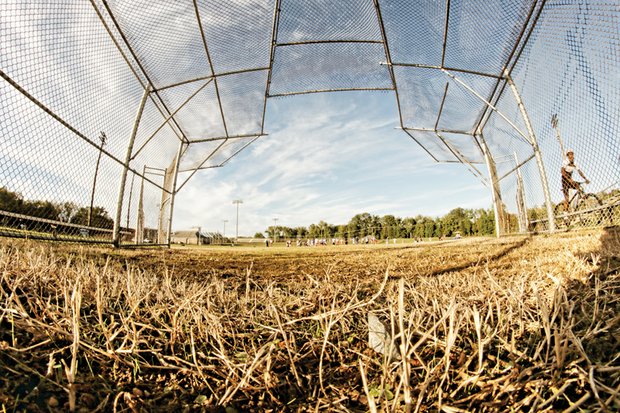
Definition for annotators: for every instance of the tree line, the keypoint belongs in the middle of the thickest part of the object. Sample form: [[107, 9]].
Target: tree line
[[68, 212], [459, 220]]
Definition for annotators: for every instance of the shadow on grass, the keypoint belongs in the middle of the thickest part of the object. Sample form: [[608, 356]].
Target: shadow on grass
[[495, 256]]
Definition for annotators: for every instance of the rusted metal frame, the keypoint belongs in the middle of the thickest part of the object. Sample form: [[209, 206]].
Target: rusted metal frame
[[155, 169], [274, 39], [539, 160], [327, 42], [443, 100], [51, 221], [238, 151], [452, 69], [169, 117], [204, 168], [8, 234], [421, 146], [200, 166], [174, 191], [198, 79], [463, 159], [118, 46], [521, 202], [456, 132], [136, 246], [516, 168], [220, 138], [129, 64], [388, 57], [133, 178], [47, 110], [217, 89], [62, 121], [121, 190], [445, 34], [495, 188], [307, 92], [135, 57], [489, 104], [493, 97]]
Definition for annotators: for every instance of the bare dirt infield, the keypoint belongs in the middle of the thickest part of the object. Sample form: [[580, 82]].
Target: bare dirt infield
[[528, 323]]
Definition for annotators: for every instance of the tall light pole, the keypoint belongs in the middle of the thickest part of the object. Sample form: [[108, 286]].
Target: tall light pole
[[275, 221], [102, 138], [237, 201]]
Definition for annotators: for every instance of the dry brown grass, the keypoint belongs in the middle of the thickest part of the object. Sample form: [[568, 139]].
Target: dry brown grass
[[520, 324]]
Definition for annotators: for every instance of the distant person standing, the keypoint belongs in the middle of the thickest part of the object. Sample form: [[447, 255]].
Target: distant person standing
[[568, 167]]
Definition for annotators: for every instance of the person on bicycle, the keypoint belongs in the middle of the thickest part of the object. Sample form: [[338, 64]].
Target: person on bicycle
[[568, 167]]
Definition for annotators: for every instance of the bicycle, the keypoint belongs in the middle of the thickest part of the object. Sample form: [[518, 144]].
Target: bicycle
[[583, 206]]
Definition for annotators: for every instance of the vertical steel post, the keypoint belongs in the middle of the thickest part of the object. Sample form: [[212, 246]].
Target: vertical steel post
[[174, 190], [538, 155], [523, 224], [165, 198], [121, 190], [498, 208], [102, 137], [139, 235], [237, 202]]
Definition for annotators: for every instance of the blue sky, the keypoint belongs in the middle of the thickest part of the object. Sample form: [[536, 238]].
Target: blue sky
[[328, 156]]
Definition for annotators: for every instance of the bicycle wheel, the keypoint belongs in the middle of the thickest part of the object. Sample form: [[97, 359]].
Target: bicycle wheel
[[562, 220], [590, 213]]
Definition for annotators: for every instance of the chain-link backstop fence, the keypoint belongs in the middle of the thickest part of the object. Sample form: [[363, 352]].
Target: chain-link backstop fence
[[109, 107]]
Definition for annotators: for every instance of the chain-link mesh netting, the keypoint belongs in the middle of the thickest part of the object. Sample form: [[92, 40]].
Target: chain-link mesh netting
[[109, 107], [569, 81]]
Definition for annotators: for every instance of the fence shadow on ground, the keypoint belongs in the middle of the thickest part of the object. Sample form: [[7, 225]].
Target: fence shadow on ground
[[493, 257]]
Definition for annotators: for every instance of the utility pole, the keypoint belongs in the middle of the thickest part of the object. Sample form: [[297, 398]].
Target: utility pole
[[237, 201], [102, 138], [275, 221]]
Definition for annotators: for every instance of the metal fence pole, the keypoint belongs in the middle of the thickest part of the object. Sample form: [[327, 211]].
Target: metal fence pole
[[121, 191], [174, 190], [534, 142], [498, 208], [521, 208], [102, 137]]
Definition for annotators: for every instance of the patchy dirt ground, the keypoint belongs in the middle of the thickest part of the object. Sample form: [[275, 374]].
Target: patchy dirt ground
[[480, 324]]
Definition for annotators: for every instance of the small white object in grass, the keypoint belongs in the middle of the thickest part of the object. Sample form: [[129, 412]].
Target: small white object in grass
[[379, 338]]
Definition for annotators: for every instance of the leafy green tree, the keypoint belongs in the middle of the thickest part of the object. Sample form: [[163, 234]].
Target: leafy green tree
[[67, 211], [457, 220], [99, 218], [359, 225], [341, 232], [41, 209], [484, 222], [389, 226], [314, 231], [407, 227], [430, 228], [374, 227], [259, 235], [300, 232], [11, 201]]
